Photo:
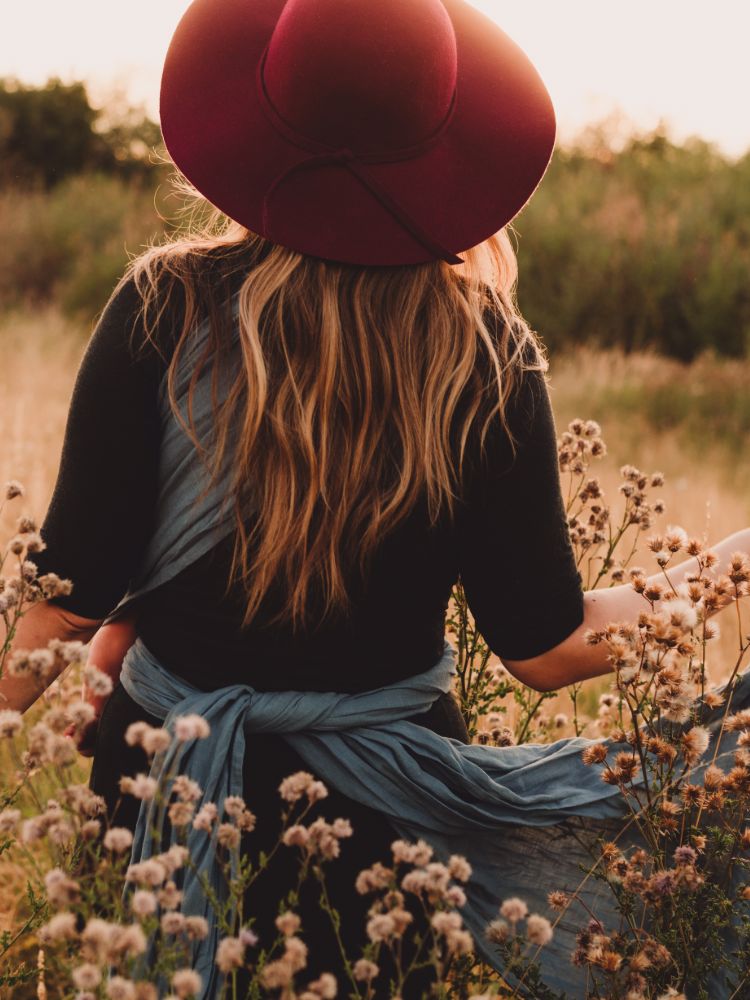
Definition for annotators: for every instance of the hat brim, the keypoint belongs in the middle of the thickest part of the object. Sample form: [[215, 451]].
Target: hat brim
[[466, 186]]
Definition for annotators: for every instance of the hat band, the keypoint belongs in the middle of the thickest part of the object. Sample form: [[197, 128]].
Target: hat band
[[325, 155]]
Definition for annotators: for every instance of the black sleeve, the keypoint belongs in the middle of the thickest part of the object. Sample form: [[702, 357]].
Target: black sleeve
[[100, 515], [516, 560]]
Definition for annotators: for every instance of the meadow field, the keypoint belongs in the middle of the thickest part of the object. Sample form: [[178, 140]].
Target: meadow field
[[635, 270]]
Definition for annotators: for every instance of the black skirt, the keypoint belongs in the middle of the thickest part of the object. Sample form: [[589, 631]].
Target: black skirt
[[269, 759]]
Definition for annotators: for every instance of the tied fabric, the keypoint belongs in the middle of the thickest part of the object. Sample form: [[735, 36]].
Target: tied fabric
[[514, 812], [527, 817]]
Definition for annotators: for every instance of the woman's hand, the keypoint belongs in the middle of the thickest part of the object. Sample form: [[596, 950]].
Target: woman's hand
[[106, 653], [574, 659]]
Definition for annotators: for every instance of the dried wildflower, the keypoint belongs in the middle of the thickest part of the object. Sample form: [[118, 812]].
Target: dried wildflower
[[498, 931], [325, 987], [196, 928], [96, 940], [413, 854], [320, 837], [32, 829], [9, 820], [98, 683], [444, 922], [295, 786], [685, 855], [172, 922], [234, 805], [52, 586], [13, 489], [513, 909], [277, 975], [455, 896], [316, 791], [713, 777], [296, 836], [87, 977], [60, 833], [380, 927], [191, 727], [737, 721], [156, 740], [538, 929], [610, 960], [205, 817], [61, 889], [60, 928], [143, 903], [176, 857], [186, 982], [246, 821], [119, 839], [149, 872], [295, 953], [141, 787], [230, 954], [288, 923], [119, 988], [365, 971], [180, 813], [558, 900], [129, 940], [170, 896], [11, 723], [374, 878], [414, 881], [596, 753], [134, 732], [228, 836], [695, 743]]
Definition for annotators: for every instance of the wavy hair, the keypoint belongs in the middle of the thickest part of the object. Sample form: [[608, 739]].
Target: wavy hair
[[356, 395]]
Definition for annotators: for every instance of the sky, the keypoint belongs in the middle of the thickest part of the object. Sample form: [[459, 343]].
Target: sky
[[683, 62]]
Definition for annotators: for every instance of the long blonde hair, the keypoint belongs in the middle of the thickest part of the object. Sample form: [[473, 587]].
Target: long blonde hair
[[356, 395]]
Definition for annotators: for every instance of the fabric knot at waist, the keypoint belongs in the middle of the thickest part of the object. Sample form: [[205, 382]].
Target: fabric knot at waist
[[216, 763], [165, 695]]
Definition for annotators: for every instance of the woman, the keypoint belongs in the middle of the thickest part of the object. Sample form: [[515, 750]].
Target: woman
[[292, 432]]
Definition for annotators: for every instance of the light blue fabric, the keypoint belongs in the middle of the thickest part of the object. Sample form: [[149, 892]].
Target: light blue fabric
[[526, 817]]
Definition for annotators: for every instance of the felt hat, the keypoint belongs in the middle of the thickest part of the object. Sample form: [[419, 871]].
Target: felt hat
[[362, 131]]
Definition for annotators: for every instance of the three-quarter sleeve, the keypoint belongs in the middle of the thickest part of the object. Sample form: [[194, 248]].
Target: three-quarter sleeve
[[516, 560], [102, 506]]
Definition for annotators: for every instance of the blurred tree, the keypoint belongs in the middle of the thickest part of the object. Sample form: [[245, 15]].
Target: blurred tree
[[52, 132]]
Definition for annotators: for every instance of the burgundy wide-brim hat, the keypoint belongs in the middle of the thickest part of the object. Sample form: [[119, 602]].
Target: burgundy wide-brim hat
[[361, 131]]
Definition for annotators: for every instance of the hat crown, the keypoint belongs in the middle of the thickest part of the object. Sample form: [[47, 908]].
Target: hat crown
[[371, 77]]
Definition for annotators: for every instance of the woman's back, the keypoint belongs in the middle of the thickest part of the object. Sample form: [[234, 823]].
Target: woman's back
[[508, 523]]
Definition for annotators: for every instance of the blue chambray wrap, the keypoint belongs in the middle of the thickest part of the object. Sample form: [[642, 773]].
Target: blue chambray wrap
[[527, 817]]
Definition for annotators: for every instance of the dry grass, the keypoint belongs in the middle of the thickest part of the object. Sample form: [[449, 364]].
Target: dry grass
[[40, 358]]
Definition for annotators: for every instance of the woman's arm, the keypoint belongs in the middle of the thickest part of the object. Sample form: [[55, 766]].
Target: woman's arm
[[106, 653], [41, 623], [573, 659]]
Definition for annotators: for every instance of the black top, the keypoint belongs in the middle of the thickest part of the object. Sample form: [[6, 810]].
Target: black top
[[509, 544]]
